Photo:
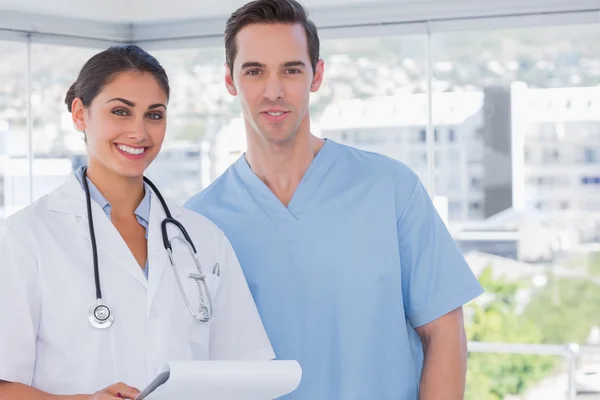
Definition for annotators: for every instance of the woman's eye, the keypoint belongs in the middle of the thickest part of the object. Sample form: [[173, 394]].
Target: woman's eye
[[155, 116], [120, 112]]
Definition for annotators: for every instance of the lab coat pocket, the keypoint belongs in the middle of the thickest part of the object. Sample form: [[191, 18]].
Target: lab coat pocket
[[213, 281], [200, 330]]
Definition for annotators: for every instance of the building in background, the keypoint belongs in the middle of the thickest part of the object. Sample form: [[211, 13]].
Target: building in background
[[177, 170], [228, 145], [396, 126], [501, 147], [559, 132]]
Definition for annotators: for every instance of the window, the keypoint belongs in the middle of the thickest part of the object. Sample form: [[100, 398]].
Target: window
[[451, 135], [590, 156], [541, 80], [474, 206], [590, 180], [56, 143], [550, 74], [455, 210], [474, 210], [479, 133], [372, 137], [550, 156], [205, 133], [13, 126]]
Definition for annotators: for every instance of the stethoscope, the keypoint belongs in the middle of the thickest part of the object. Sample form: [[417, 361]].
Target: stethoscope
[[100, 314]]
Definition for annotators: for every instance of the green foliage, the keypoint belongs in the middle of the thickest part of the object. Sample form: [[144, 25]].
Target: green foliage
[[594, 264], [565, 310], [493, 376], [561, 312]]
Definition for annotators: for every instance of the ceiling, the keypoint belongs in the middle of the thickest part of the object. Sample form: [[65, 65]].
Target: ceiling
[[153, 10], [151, 21], [160, 10]]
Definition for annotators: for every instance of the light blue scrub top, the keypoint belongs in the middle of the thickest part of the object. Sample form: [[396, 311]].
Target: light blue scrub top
[[142, 212], [343, 274]]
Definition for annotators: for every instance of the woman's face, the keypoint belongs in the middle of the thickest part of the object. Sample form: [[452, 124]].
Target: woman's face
[[125, 124]]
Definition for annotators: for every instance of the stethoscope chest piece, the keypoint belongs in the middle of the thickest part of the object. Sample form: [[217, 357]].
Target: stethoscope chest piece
[[100, 315]]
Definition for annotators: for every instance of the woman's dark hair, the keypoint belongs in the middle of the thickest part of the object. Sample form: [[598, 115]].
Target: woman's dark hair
[[270, 12], [102, 68]]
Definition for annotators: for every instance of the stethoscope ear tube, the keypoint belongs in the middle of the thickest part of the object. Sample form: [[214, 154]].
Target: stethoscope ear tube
[[165, 237], [168, 220]]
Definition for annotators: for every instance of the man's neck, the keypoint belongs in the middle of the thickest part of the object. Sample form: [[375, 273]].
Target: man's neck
[[282, 166], [123, 193]]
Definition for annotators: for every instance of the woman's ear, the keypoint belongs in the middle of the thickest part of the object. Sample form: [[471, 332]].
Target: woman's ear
[[78, 114]]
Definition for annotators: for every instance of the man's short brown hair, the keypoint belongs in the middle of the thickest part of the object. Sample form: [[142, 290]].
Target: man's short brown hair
[[270, 12]]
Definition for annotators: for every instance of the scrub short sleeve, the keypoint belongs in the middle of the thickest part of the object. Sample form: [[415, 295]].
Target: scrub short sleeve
[[436, 279], [19, 309], [237, 332]]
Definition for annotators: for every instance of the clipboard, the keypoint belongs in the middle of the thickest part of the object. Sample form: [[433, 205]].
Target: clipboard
[[160, 379], [223, 380]]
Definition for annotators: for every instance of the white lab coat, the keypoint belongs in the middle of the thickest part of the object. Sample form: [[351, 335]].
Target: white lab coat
[[47, 288]]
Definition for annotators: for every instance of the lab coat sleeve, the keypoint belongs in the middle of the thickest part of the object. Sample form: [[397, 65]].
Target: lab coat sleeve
[[237, 332], [19, 309], [436, 279]]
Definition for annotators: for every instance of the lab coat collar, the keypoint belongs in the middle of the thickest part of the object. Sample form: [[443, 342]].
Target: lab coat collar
[[69, 199]]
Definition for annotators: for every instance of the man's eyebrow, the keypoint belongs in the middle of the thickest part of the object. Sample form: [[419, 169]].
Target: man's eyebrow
[[289, 64], [253, 64]]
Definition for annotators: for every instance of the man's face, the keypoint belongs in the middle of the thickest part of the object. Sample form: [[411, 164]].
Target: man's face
[[273, 77]]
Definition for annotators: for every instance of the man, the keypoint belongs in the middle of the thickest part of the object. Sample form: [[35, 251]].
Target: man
[[352, 269]]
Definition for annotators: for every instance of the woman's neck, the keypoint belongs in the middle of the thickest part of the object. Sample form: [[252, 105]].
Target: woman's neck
[[123, 193]]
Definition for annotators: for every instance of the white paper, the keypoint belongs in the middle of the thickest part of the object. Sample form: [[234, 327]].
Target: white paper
[[228, 380]]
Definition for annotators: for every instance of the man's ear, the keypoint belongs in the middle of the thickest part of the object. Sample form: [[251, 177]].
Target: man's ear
[[318, 77], [229, 83]]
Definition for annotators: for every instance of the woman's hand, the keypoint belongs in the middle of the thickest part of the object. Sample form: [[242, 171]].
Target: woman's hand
[[116, 391], [11, 390]]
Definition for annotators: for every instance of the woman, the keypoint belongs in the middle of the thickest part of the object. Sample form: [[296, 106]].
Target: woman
[[89, 297]]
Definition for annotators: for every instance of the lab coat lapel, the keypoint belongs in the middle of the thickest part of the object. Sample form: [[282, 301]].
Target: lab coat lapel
[[70, 199], [110, 242], [158, 260]]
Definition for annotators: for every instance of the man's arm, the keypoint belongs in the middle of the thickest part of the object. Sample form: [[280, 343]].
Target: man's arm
[[436, 283], [445, 350]]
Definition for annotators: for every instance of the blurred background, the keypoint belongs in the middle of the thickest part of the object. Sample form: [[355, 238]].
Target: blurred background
[[495, 105]]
